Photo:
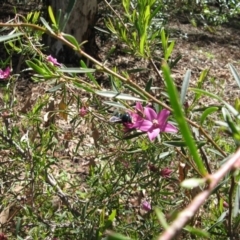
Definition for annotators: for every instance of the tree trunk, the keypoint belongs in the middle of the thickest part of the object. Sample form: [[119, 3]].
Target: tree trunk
[[80, 25]]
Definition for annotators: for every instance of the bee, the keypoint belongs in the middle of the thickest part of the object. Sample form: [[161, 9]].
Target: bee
[[121, 118]]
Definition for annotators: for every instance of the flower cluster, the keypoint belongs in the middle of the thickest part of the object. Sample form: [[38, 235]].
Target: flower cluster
[[53, 60], [83, 111], [147, 120], [5, 73], [146, 206]]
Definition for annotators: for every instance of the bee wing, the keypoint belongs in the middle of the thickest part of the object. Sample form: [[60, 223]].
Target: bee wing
[[115, 119]]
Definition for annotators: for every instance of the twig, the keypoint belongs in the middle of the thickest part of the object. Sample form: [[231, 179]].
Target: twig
[[50, 179], [230, 196], [12, 142], [199, 200], [118, 16]]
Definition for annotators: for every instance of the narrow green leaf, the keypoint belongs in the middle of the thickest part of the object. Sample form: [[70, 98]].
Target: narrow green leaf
[[185, 85], [51, 15], [116, 83], [45, 23], [126, 5], [79, 85], [207, 112], [76, 70], [197, 232], [72, 40], [200, 91], [109, 94], [38, 69], [175, 61], [236, 209], [182, 143], [193, 182], [149, 85], [163, 39], [219, 220], [101, 30], [161, 218], [117, 236], [128, 97], [153, 14], [112, 215], [142, 43], [164, 154], [136, 92], [55, 88], [36, 17], [136, 70], [216, 152], [90, 76], [102, 217], [202, 77], [230, 108], [115, 104], [67, 15], [8, 37], [169, 50], [226, 114], [112, 94], [235, 74], [110, 26], [234, 129], [134, 135], [180, 118], [59, 15], [175, 143], [13, 46]]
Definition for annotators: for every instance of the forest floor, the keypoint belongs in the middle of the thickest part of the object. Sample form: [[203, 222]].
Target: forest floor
[[199, 50]]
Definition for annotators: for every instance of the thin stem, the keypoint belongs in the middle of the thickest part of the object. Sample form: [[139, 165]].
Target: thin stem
[[120, 19], [230, 196]]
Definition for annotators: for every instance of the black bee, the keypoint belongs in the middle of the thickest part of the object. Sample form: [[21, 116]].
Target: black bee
[[121, 118]]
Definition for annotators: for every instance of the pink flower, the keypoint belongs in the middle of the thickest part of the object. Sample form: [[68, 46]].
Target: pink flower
[[139, 108], [146, 206], [136, 116], [83, 111], [5, 73], [153, 168], [3, 237], [154, 123], [147, 120], [166, 172], [53, 60]]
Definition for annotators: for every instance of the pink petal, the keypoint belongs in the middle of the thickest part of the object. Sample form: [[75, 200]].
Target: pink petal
[[153, 134], [53, 60], [139, 107], [144, 125], [170, 128], [146, 206], [5, 73], [162, 116], [83, 111], [150, 114], [166, 172]]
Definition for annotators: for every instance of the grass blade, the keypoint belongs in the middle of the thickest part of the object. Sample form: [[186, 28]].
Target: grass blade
[[180, 118], [185, 86]]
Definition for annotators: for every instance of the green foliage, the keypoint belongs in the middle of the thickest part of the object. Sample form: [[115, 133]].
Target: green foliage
[[69, 172], [135, 28]]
